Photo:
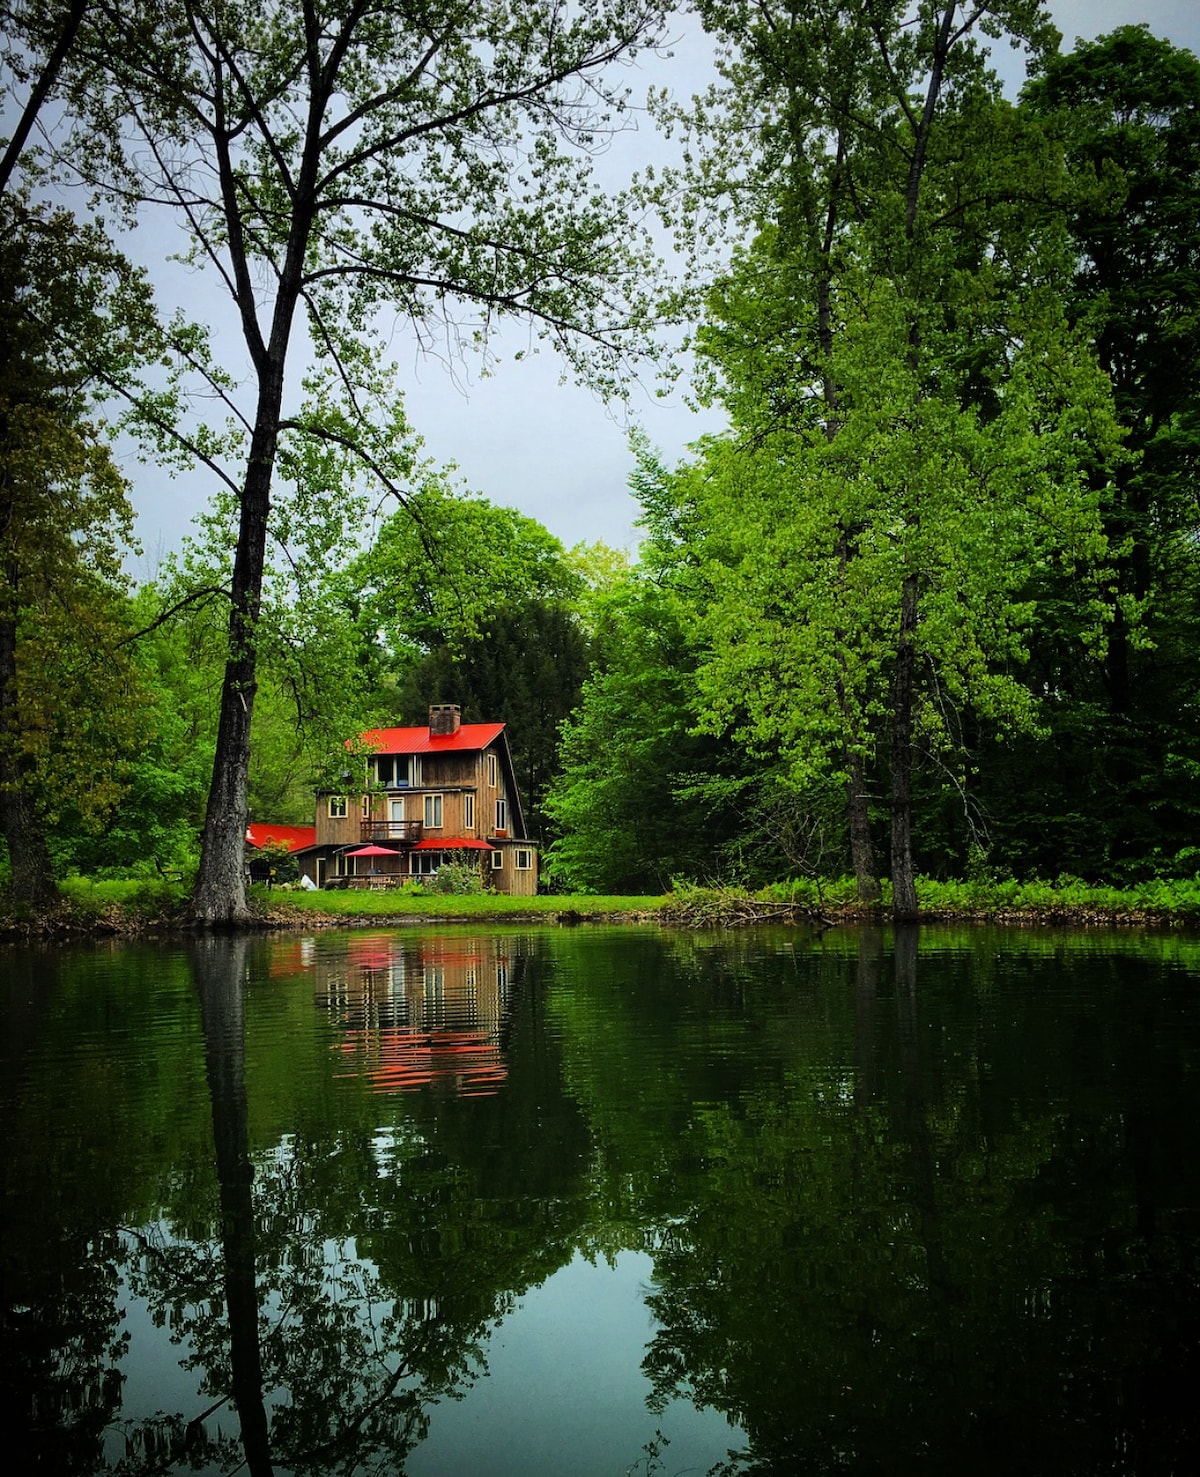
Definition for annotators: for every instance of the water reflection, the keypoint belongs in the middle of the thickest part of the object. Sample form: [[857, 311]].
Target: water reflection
[[868, 1203], [418, 1013], [218, 968]]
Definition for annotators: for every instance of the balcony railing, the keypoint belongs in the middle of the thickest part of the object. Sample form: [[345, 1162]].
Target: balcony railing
[[404, 831]]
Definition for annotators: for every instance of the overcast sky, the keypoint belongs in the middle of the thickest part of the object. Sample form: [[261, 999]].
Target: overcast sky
[[520, 437]]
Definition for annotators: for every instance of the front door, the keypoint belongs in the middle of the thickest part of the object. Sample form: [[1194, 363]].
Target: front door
[[396, 815]]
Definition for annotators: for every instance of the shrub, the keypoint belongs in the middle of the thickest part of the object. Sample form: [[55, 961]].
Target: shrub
[[457, 877]]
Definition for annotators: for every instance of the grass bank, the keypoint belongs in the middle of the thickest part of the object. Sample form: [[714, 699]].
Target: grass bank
[[153, 906], [1067, 900], [396, 907], [156, 907]]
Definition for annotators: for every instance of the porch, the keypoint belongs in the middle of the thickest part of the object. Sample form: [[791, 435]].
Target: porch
[[407, 832]]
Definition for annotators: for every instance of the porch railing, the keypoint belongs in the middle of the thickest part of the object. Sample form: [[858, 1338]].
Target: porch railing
[[404, 831]]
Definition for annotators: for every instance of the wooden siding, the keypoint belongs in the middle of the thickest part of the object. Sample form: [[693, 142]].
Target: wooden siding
[[508, 877]]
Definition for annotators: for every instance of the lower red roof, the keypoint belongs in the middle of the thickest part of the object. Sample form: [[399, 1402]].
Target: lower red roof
[[431, 844], [295, 838]]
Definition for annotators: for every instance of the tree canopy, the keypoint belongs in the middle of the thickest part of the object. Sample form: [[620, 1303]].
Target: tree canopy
[[344, 163], [942, 562]]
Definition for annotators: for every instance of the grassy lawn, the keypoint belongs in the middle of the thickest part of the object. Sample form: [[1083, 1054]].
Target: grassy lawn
[[135, 901], [407, 904]]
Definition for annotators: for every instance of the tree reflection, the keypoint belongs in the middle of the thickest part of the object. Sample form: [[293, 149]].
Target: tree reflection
[[908, 1207], [60, 1256], [219, 971], [356, 1273], [870, 1280], [59, 1340]]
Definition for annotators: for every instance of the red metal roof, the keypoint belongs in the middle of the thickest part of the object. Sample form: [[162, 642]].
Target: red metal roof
[[296, 838], [466, 844], [471, 736]]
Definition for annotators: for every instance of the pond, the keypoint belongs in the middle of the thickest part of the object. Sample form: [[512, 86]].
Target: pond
[[603, 1201]]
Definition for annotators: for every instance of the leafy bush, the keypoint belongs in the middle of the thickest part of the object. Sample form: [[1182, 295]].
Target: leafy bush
[[145, 897], [457, 877]]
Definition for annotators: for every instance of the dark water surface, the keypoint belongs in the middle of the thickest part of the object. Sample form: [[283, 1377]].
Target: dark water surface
[[588, 1203]]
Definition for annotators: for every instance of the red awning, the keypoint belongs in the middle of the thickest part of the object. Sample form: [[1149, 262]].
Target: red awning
[[429, 844]]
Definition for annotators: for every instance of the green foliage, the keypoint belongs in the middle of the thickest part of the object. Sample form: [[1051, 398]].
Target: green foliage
[[614, 804], [141, 899], [1113, 790], [438, 569], [74, 320], [458, 878], [460, 600], [917, 426]]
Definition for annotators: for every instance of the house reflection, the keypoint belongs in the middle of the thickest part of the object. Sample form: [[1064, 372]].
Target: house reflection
[[415, 1014]]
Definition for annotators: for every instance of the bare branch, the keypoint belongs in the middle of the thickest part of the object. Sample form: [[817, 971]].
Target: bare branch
[[199, 596]]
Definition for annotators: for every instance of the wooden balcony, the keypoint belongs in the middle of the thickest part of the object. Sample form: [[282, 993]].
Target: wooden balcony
[[402, 831]]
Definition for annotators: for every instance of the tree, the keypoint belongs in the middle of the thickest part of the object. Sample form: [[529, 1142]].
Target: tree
[[438, 570], [310, 688], [1117, 781], [527, 668], [640, 797], [47, 34], [343, 157], [908, 402], [460, 600], [70, 702]]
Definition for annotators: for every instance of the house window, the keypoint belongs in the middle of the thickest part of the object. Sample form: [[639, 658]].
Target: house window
[[523, 859], [424, 863], [385, 770], [492, 770], [497, 861], [414, 770], [468, 812], [433, 811], [366, 807], [502, 814], [337, 807]]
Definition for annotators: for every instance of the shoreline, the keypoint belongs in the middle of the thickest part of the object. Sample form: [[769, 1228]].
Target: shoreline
[[730, 914]]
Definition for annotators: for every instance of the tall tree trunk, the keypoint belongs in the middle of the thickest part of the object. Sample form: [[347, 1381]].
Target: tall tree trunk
[[32, 872], [858, 816], [219, 898], [904, 890], [862, 852]]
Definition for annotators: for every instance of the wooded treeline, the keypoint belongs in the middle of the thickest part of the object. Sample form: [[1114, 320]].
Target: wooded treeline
[[929, 604]]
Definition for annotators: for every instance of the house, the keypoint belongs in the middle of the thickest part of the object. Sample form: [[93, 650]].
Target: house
[[417, 798]]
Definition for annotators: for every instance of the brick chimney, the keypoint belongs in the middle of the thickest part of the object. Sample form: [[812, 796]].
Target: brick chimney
[[444, 719]]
